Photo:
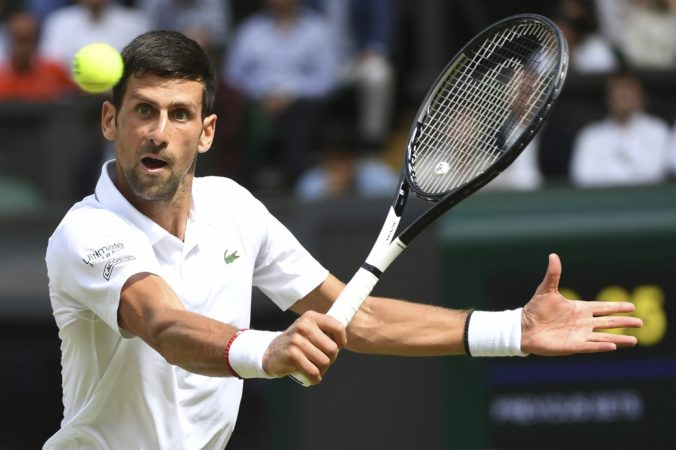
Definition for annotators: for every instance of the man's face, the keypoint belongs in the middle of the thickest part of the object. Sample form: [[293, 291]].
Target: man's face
[[23, 29], [625, 96], [158, 133]]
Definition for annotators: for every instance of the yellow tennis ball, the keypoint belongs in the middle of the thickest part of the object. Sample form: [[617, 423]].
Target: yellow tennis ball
[[97, 67]]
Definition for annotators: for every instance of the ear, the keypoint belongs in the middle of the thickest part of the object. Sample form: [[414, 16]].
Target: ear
[[207, 136], [108, 125]]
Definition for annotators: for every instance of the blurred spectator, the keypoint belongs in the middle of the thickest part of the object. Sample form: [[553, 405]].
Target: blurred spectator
[[67, 29], [363, 33], [25, 75], [282, 61], [523, 174], [42, 8], [206, 21], [344, 170], [590, 52], [628, 147], [649, 37], [4, 39], [612, 19]]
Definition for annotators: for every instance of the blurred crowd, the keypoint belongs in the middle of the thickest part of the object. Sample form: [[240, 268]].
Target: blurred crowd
[[310, 100]]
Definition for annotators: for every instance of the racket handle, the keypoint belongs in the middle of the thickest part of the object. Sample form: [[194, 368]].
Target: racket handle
[[346, 306], [350, 300]]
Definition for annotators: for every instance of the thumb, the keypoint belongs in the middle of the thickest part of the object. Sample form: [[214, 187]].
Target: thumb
[[551, 281]]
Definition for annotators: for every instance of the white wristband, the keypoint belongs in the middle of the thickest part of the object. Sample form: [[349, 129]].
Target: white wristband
[[245, 353], [495, 333]]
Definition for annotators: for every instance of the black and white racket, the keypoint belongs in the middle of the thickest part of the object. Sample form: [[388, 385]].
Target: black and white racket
[[480, 113]]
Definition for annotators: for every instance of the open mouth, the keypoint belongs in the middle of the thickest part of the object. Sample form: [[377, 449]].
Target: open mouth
[[152, 163]]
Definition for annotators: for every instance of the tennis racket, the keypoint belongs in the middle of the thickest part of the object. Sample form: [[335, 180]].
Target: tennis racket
[[477, 117]]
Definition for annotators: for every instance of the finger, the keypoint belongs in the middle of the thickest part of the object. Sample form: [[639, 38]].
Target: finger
[[320, 359], [603, 342], [608, 308], [306, 367], [306, 358], [610, 322], [620, 340], [593, 347], [320, 327], [333, 328], [314, 337], [550, 283], [320, 343]]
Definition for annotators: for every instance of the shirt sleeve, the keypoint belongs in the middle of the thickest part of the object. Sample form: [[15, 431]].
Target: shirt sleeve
[[89, 258], [285, 271]]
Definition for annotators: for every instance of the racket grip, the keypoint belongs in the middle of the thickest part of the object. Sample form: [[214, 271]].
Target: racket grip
[[346, 306], [350, 300]]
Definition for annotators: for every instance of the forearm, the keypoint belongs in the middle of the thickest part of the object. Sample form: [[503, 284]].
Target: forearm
[[395, 327], [191, 341], [150, 309]]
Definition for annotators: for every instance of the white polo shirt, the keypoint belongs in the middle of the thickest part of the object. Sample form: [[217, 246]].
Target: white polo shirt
[[117, 391], [606, 153]]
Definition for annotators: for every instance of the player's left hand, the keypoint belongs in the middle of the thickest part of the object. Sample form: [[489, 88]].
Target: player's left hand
[[553, 325]]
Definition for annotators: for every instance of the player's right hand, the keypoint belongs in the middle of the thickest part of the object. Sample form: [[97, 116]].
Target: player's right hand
[[309, 346]]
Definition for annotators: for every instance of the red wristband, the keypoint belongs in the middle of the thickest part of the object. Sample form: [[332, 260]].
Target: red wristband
[[227, 351]]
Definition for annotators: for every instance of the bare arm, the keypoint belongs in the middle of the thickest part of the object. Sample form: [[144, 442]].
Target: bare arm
[[550, 324], [394, 327], [151, 310]]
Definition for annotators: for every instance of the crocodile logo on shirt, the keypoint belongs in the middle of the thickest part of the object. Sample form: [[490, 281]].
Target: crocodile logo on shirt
[[229, 259]]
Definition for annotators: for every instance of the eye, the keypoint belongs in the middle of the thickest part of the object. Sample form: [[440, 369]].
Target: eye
[[181, 115], [144, 110]]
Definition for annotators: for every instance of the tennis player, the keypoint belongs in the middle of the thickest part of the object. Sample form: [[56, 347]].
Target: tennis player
[[150, 282]]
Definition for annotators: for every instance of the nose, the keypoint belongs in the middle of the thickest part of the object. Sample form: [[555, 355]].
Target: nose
[[159, 130]]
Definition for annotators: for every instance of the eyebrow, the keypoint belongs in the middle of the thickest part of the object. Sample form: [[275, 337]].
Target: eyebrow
[[139, 98]]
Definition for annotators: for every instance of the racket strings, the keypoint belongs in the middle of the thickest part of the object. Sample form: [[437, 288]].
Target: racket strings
[[446, 123], [482, 105], [466, 97], [466, 143], [486, 111], [543, 62]]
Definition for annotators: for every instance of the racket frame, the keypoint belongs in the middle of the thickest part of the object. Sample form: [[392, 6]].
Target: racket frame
[[448, 199]]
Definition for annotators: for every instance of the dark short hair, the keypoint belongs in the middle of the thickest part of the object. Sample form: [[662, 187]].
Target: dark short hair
[[625, 73], [168, 54]]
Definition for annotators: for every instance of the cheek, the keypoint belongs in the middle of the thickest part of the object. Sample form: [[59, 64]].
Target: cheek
[[127, 142], [185, 146], [187, 140]]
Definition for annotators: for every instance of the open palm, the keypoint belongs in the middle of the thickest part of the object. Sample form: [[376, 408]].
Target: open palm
[[553, 325]]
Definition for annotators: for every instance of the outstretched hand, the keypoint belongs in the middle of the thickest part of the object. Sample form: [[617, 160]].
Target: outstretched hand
[[553, 325]]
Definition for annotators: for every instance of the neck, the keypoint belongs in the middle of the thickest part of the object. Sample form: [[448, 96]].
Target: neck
[[286, 18], [21, 64], [624, 118], [171, 214], [96, 12]]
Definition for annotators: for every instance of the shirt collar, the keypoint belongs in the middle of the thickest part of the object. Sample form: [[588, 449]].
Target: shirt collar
[[109, 196]]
